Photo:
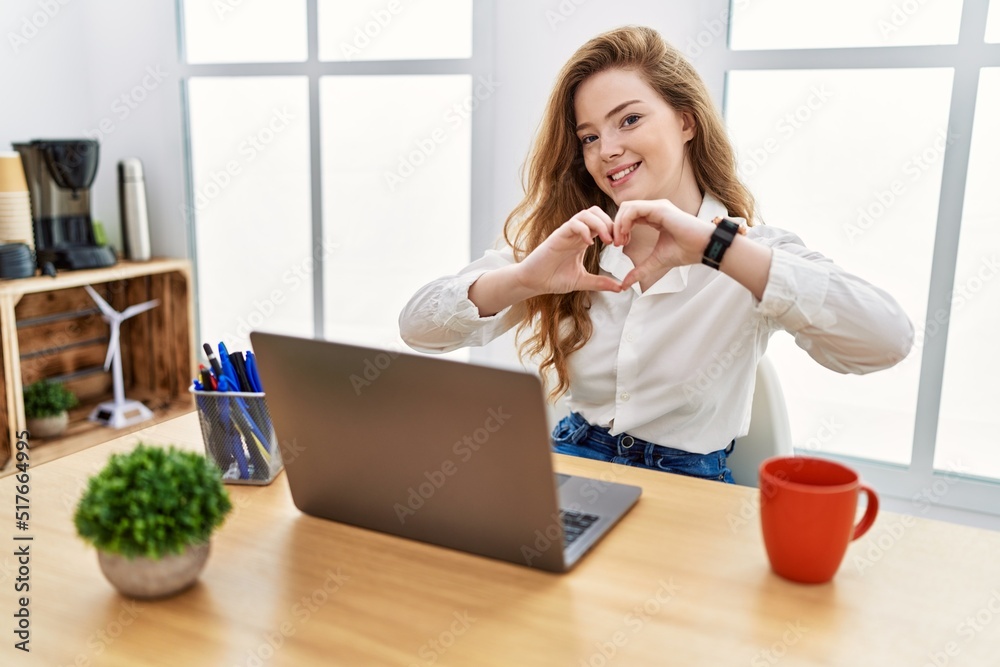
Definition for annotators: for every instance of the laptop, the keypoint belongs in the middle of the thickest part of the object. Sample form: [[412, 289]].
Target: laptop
[[430, 449]]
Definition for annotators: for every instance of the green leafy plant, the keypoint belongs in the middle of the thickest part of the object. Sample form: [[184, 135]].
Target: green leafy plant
[[46, 398], [152, 502]]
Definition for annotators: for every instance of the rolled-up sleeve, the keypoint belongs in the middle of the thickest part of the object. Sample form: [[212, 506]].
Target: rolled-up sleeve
[[440, 317], [840, 320]]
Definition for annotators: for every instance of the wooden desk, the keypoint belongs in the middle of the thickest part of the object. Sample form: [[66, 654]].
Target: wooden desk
[[680, 582]]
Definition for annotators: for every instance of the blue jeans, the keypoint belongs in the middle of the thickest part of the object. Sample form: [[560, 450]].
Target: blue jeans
[[575, 436]]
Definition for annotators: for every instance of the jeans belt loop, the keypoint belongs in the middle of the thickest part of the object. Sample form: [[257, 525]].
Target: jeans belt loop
[[580, 432], [627, 441]]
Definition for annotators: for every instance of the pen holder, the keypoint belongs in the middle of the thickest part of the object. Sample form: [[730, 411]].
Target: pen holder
[[239, 438]]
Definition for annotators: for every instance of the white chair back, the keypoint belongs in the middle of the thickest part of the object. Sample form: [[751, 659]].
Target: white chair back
[[770, 434]]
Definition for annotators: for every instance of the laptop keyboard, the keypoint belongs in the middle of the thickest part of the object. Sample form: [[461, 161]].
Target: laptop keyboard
[[575, 524]]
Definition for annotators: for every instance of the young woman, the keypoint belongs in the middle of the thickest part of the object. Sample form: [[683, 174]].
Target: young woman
[[635, 270]]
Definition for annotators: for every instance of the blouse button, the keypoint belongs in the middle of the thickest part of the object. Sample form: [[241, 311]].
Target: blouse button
[[624, 396]]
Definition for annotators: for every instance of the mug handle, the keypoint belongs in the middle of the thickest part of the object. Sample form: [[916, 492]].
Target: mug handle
[[869, 518]]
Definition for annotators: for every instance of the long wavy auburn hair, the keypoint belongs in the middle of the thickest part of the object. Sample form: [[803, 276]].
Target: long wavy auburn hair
[[557, 184]]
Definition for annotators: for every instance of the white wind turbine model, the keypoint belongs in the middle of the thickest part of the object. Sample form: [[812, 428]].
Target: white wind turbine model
[[119, 412]]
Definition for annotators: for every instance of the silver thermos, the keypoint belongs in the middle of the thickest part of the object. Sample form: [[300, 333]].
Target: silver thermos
[[132, 204]]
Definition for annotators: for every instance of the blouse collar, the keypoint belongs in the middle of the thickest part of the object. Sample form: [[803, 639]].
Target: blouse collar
[[616, 262]]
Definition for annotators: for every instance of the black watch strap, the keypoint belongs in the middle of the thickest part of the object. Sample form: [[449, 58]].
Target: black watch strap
[[725, 231]]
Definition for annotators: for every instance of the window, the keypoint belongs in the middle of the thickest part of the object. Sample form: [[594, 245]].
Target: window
[[852, 210], [817, 24], [968, 426], [331, 150], [416, 206], [872, 156]]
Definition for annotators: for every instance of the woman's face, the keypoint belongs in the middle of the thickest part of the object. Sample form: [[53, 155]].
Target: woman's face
[[632, 140]]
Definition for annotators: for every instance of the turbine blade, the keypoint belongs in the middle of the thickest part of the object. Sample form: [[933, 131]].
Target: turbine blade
[[132, 311], [101, 303], [112, 346]]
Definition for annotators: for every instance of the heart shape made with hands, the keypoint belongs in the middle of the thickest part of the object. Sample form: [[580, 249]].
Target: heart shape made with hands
[[680, 240]]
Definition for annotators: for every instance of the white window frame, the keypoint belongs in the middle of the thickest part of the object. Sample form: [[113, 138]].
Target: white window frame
[[479, 64], [916, 488]]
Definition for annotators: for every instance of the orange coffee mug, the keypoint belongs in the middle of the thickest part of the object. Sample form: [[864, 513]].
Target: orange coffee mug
[[807, 510]]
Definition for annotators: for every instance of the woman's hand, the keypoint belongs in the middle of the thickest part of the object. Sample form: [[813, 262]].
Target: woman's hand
[[682, 236], [556, 265]]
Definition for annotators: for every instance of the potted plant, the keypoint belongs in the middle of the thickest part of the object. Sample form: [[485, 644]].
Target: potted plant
[[150, 513], [45, 408]]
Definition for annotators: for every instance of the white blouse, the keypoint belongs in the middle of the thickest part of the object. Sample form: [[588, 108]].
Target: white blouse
[[676, 364]]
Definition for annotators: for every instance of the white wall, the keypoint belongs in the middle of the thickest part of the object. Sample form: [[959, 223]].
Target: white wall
[[65, 66]]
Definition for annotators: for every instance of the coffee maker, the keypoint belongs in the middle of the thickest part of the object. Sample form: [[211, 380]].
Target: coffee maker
[[60, 173]]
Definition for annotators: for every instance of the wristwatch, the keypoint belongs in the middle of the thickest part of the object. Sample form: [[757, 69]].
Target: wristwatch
[[725, 231]]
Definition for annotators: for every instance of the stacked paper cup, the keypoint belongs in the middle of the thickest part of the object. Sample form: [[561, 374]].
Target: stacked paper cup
[[15, 205]]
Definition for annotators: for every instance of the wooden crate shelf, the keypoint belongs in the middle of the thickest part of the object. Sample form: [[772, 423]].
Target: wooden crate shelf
[[51, 328]]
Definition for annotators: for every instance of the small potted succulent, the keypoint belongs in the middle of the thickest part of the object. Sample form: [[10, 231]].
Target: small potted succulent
[[45, 408], [151, 513]]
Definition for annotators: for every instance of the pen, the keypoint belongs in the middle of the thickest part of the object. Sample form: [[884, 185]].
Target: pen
[[213, 360], [252, 373], [239, 366], [207, 381], [230, 381]]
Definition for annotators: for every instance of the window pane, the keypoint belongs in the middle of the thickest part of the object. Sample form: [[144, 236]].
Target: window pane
[[250, 167], [993, 23], [262, 31], [396, 184], [842, 159], [819, 24], [394, 30], [969, 419]]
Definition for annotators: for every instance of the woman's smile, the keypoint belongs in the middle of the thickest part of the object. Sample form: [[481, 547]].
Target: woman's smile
[[619, 176]]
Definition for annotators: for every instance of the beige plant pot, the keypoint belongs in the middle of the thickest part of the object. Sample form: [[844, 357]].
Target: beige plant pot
[[149, 578], [48, 427]]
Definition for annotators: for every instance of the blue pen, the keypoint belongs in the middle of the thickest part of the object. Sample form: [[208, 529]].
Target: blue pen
[[259, 454], [227, 369], [264, 420], [251, 362], [232, 436]]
